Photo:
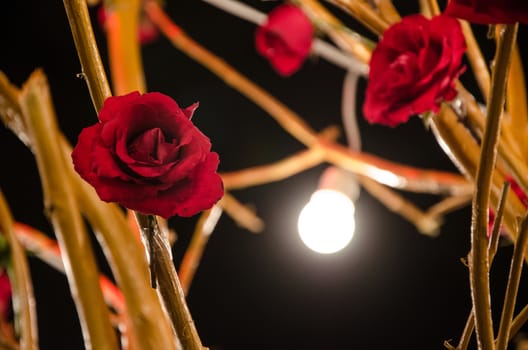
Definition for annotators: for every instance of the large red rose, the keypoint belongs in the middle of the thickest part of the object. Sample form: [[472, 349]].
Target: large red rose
[[285, 39], [413, 69], [489, 11], [146, 154]]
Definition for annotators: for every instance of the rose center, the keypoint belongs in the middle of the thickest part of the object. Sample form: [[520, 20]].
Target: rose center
[[146, 147]]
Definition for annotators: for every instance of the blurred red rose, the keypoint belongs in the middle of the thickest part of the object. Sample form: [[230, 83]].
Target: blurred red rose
[[413, 69], [285, 39], [489, 11], [146, 154]]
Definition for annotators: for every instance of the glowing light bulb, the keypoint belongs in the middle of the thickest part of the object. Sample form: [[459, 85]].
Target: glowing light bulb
[[326, 223]]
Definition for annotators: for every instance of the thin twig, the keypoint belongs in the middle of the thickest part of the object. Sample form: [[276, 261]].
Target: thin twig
[[512, 287], [194, 252], [496, 229], [449, 204], [279, 170], [426, 224], [519, 321], [241, 214], [479, 263]]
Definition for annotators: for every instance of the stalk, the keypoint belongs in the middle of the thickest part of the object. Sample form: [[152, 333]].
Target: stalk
[[63, 212], [479, 262]]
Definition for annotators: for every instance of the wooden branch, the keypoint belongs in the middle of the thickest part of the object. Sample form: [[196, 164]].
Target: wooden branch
[[479, 262], [64, 215]]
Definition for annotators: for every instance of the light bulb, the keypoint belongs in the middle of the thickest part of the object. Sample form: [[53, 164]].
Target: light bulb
[[326, 223]]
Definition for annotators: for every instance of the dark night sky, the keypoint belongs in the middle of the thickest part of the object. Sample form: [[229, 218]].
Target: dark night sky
[[390, 288]]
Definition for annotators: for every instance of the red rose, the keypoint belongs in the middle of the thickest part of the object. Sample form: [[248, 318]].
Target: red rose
[[285, 39], [146, 154], [413, 69], [489, 11]]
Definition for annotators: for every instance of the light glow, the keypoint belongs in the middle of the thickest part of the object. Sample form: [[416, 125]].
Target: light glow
[[326, 223]]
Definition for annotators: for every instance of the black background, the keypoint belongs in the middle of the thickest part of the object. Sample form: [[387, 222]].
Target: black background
[[390, 288]]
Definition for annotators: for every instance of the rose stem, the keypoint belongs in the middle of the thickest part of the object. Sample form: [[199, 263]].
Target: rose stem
[[512, 286], [392, 174], [150, 326], [478, 262], [63, 212], [169, 285], [24, 307]]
